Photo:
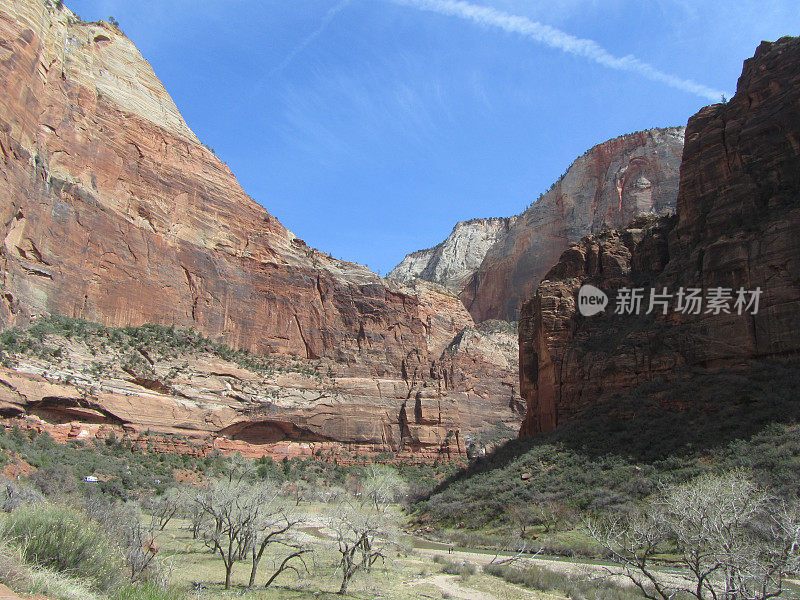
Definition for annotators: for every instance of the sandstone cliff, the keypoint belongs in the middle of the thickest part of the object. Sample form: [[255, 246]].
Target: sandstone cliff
[[737, 226], [74, 379], [611, 184], [455, 260], [113, 212], [495, 264]]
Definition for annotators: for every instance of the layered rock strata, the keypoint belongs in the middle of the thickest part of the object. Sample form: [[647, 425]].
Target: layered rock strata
[[737, 227], [455, 260], [112, 211], [611, 184]]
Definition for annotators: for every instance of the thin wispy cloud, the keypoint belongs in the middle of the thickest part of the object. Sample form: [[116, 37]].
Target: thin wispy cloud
[[320, 113], [326, 20], [560, 40]]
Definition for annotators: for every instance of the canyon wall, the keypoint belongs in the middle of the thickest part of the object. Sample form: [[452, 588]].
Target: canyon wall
[[737, 227], [498, 262], [112, 211], [454, 261], [608, 186]]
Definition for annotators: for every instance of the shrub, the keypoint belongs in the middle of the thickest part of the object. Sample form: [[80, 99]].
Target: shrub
[[58, 585], [14, 495], [64, 540], [122, 523], [13, 571], [148, 591], [23, 578], [602, 464], [55, 480], [574, 587], [475, 539], [462, 569]]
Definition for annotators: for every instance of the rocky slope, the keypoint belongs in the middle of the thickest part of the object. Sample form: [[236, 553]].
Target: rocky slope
[[455, 260], [113, 212], [737, 226], [75, 379]]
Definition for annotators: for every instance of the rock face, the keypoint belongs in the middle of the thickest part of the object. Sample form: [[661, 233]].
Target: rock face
[[112, 211], [737, 226], [456, 259], [82, 386], [495, 264], [610, 185]]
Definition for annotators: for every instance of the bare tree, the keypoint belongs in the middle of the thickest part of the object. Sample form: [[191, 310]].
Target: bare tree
[[237, 468], [192, 510], [163, 508], [274, 525], [243, 520], [550, 514], [299, 489], [633, 541], [555, 515], [140, 549], [229, 509], [735, 541], [124, 524], [382, 485], [363, 536], [521, 516]]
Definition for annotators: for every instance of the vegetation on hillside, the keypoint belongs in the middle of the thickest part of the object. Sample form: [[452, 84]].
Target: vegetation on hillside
[[131, 470], [69, 538], [605, 463], [536, 494], [133, 346]]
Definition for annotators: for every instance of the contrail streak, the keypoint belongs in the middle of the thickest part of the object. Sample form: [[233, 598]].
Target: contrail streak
[[555, 38], [326, 20]]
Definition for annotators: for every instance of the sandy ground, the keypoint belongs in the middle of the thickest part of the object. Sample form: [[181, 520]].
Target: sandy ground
[[449, 584], [576, 569], [7, 594]]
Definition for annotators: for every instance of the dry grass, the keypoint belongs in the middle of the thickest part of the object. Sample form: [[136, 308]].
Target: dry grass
[[23, 578], [402, 577]]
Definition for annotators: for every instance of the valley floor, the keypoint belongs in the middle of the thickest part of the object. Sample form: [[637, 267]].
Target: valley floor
[[407, 574]]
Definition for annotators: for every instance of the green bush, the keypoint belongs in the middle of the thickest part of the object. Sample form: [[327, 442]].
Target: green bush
[[13, 571], [14, 495], [62, 539], [603, 463], [24, 578], [462, 569], [165, 341]]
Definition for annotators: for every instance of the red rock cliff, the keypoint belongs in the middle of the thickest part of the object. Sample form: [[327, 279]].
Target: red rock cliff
[[112, 211], [738, 225], [609, 185]]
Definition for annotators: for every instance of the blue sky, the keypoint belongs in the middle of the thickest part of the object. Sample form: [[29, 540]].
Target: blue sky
[[369, 127]]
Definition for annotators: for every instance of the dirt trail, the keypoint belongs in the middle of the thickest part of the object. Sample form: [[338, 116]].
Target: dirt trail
[[562, 566], [7, 594], [576, 569], [449, 585]]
